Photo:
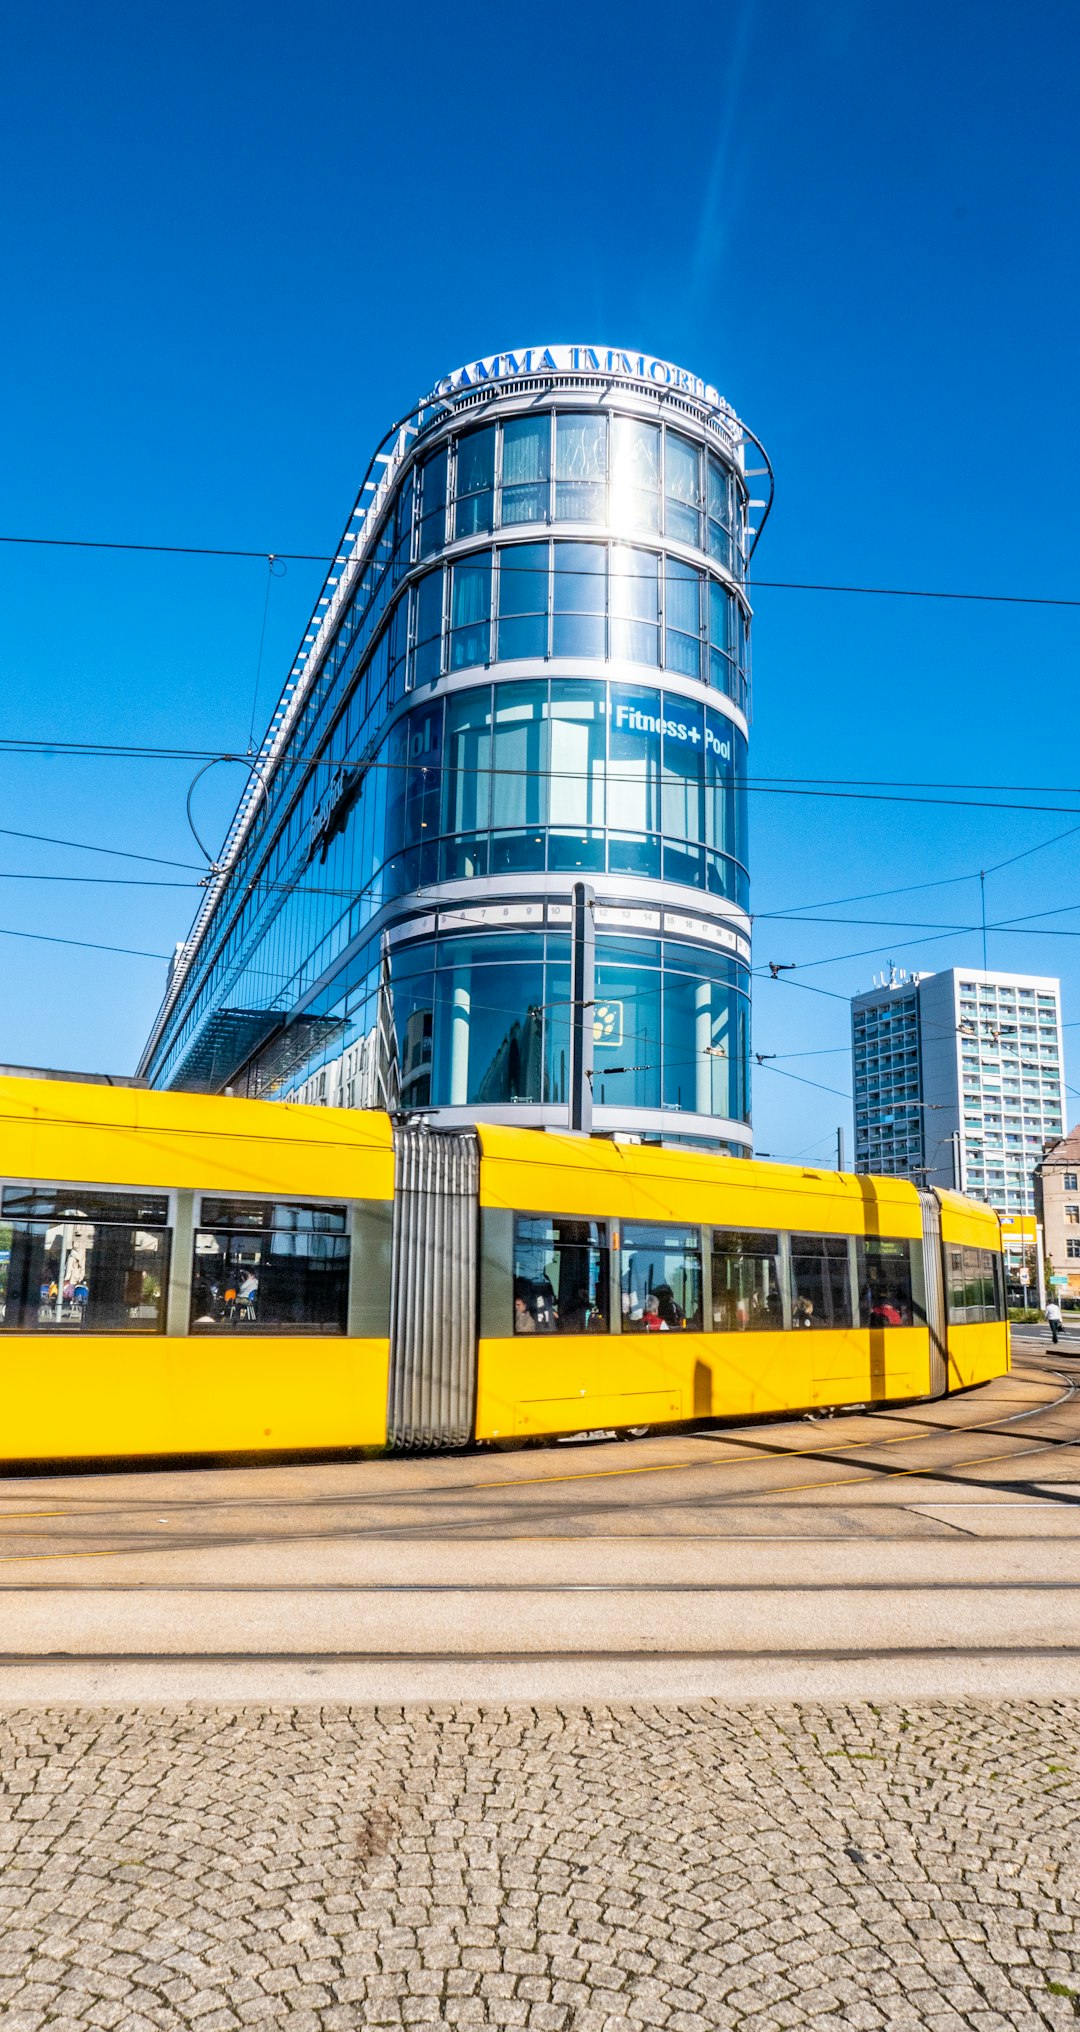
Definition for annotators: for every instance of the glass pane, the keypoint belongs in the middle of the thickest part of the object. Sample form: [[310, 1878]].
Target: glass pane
[[470, 608], [526, 468], [84, 1202], [820, 1281], [489, 1033], [76, 1276], [627, 1042], [433, 503], [746, 1282], [683, 799], [661, 1278], [560, 1276], [635, 604], [634, 772], [580, 468], [682, 486], [580, 599], [519, 756], [475, 481], [578, 744], [884, 1273], [428, 607], [682, 617], [467, 792], [635, 474], [701, 1059], [523, 592], [283, 1279]]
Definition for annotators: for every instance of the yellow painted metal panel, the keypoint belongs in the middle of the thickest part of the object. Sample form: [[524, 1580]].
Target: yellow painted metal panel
[[568, 1175], [967, 1220], [134, 1394], [977, 1353], [575, 1383], [99, 1135]]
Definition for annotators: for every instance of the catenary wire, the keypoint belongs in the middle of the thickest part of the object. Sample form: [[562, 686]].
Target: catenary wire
[[324, 558]]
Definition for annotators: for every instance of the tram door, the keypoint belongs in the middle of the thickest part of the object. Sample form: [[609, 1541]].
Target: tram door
[[935, 1291]]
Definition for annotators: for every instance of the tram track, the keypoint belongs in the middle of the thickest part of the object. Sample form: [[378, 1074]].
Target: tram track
[[754, 1453]]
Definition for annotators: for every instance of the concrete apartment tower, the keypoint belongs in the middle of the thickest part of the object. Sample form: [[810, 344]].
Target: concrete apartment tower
[[958, 1080]]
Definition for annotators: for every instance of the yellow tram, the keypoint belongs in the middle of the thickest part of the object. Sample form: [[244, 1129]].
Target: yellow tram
[[184, 1275]]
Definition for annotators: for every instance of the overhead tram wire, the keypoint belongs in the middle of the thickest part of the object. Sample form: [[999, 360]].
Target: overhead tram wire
[[325, 558], [756, 785]]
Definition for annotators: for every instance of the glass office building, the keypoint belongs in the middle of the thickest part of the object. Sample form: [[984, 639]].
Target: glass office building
[[529, 666]]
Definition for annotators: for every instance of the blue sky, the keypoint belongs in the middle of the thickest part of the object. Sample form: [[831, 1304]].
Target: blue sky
[[237, 242]]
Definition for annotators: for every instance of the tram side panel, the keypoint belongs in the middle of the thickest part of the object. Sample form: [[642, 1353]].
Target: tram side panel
[[978, 1330], [578, 1240], [239, 1302]]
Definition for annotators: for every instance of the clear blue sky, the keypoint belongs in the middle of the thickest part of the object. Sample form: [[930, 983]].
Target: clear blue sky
[[236, 242]]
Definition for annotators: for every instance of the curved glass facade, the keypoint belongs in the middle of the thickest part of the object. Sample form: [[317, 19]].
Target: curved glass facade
[[529, 667]]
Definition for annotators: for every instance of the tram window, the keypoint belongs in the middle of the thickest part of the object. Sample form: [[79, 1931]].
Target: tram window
[[561, 1275], [746, 1282], [820, 1281], [270, 1266], [661, 1278], [885, 1293], [76, 1259], [973, 1285]]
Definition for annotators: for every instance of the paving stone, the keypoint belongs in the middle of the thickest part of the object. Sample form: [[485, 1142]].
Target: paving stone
[[694, 1867]]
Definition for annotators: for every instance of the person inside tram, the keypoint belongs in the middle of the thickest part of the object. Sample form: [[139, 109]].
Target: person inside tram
[[652, 1318], [579, 1315], [523, 1319], [671, 1312]]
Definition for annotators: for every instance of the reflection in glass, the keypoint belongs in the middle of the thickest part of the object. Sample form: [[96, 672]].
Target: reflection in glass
[[470, 609], [635, 475], [682, 488], [427, 656], [560, 1275], [661, 1278], [475, 491], [270, 1267], [580, 467], [90, 1262], [432, 504], [747, 1282], [579, 600], [467, 794], [578, 740], [635, 604], [526, 468], [523, 598], [634, 772], [682, 617], [820, 1281], [519, 758]]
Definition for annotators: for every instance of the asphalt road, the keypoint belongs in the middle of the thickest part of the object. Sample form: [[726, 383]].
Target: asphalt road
[[925, 1550]]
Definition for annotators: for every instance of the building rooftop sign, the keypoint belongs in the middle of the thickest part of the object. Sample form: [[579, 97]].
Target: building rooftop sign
[[604, 360]]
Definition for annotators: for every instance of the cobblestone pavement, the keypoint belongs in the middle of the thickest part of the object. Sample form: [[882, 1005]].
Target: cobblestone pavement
[[687, 1867]]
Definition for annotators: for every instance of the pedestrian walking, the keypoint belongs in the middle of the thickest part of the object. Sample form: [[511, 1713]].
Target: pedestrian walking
[[1053, 1319]]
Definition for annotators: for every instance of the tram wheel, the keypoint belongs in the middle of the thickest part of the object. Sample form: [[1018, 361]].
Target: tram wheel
[[635, 1432]]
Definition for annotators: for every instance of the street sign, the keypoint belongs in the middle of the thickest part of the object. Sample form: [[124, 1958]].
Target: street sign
[[1025, 1275], [1059, 1280]]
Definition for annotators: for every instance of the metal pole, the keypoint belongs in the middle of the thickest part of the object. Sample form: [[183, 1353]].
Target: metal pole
[[840, 1148], [582, 1001], [1040, 1265]]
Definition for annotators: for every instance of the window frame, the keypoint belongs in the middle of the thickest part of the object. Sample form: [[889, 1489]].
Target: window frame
[[168, 1228], [256, 1330]]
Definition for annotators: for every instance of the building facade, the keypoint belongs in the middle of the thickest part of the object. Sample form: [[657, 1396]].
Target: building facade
[[958, 1080], [1057, 1195], [529, 666]]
